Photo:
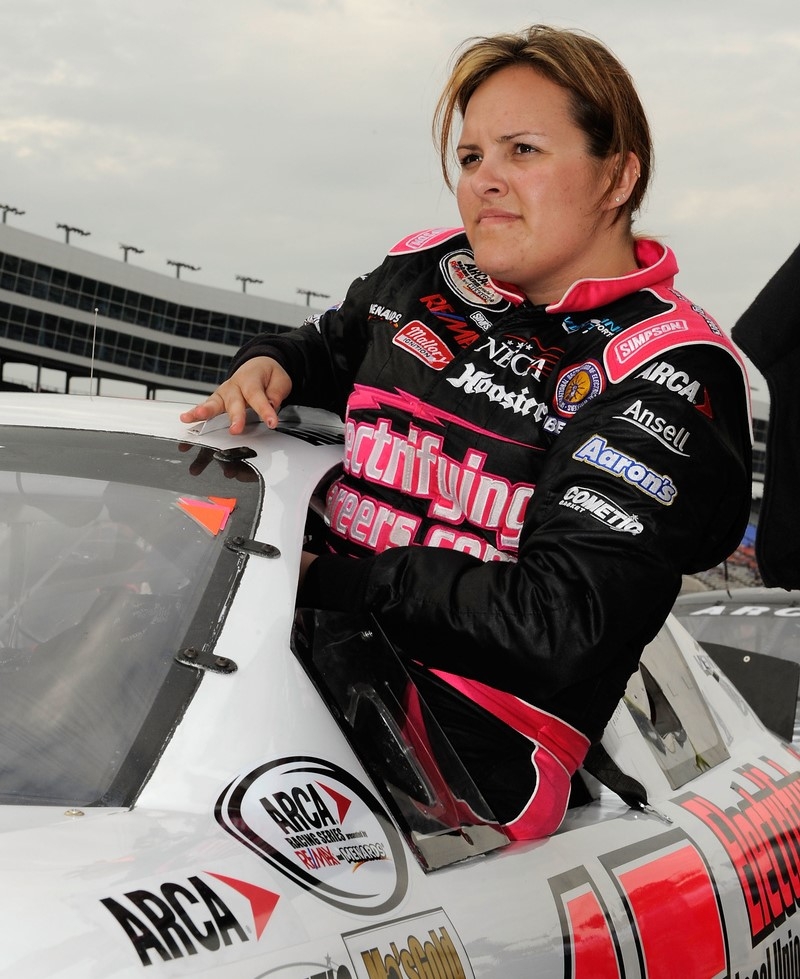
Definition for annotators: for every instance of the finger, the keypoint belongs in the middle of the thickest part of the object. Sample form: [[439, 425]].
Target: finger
[[262, 404], [200, 462], [209, 408], [236, 406]]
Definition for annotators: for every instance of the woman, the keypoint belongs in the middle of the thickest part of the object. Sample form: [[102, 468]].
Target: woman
[[542, 435]]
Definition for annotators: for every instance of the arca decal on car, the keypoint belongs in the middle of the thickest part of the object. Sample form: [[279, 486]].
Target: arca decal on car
[[323, 829], [184, 917]]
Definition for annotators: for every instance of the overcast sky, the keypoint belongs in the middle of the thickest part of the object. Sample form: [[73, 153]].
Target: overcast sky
[[289, 140]]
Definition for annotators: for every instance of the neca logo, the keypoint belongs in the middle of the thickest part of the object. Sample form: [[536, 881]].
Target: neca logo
[[182, 919]]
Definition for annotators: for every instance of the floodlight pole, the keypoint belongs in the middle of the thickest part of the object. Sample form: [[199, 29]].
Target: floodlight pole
[[71, 228], [131, 248], [8, 209], [308, 293], [244, 279], [182, 265]]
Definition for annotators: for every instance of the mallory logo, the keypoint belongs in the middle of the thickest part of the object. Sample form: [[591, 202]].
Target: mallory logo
[[420, 341]]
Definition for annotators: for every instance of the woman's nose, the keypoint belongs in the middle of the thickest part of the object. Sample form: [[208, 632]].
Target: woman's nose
[[488, 179]]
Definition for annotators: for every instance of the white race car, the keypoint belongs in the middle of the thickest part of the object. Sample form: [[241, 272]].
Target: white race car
[[754, 635], [197, 779]]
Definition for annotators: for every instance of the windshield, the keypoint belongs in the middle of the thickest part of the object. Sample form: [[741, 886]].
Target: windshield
[[110, 544]]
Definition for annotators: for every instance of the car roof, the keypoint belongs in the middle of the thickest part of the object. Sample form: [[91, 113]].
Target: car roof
[[738, 596]]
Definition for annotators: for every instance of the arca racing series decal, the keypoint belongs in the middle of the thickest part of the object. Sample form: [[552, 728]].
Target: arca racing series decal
[[185, 918], [469, 283], [320, 827], [422, 946]]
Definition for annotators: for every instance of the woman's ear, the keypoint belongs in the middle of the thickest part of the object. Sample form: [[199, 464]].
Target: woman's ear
[[624, 178]]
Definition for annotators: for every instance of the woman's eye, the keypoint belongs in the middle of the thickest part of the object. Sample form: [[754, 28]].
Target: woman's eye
[[467, 159], [523, 148]]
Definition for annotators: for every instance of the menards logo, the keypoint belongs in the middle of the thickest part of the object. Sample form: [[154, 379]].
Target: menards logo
[[180, 919]]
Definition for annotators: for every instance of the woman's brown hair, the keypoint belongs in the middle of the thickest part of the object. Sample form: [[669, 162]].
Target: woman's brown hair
[[604, 101]]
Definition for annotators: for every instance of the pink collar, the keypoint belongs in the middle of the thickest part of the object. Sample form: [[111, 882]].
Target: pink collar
[[657, 266]]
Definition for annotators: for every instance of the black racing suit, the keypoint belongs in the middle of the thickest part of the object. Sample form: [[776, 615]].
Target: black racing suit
[[565, 463]]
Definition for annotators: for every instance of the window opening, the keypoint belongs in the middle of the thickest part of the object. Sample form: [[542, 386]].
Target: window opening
[[669, 710], [379, 708]]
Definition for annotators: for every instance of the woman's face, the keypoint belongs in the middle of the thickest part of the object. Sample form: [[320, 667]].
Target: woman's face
[[530, 194]]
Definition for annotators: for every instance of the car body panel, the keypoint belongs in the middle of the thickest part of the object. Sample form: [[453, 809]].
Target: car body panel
[[259, 845], [754, 633]]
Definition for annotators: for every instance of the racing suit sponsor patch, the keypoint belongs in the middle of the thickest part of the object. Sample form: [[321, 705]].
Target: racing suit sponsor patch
[[474, 381], [481, 320], [384, 313], [641, 343], [468, 282], [420, 240], [458, 489], [598, 453], [603, 325], [670, 436], [464, 335], [609, 513], [518, 355], [664, 374], [635, 346], [421, 342], [577, 385]]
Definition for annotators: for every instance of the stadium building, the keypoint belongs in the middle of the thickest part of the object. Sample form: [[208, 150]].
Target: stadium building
[[68, 316]]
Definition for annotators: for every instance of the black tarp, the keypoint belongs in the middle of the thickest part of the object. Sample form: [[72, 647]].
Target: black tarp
[[769, 333]]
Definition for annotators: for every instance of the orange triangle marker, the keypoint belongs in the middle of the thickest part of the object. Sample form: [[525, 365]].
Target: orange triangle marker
[[212, 514], [226, 501]]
